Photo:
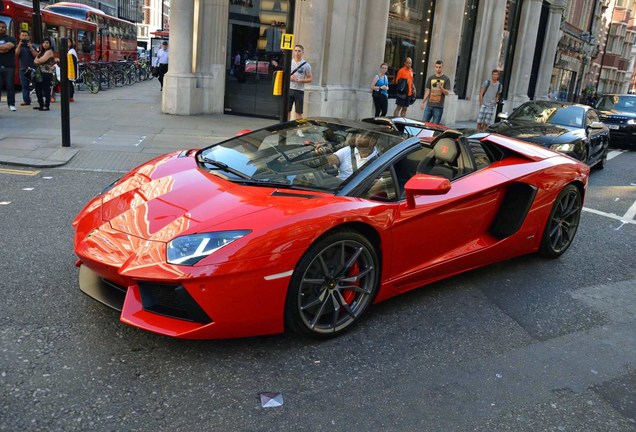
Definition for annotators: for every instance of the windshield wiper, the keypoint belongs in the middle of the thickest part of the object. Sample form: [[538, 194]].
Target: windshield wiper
[[265, 182], [225, 167]]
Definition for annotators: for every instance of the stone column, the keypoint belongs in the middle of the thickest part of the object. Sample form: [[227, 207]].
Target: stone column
[[447, 32], [487, 47], [524, 54], [549, 50], [344, 43], [179, 89], [376, 23], [211, 53]]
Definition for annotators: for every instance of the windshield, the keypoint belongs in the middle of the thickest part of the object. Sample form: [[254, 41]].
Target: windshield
[[618, 103], [548, 112], [307, 154]]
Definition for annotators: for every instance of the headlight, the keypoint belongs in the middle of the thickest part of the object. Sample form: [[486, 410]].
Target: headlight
[[189, 250], [568, 147], [631, 121]]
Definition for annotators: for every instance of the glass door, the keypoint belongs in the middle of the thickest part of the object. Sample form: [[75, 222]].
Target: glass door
[[253, 48]]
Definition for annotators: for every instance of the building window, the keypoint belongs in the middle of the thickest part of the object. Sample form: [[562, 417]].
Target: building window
[[409, 35]]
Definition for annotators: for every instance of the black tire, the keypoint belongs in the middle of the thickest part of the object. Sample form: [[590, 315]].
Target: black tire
[[562, 223], [333, 285]]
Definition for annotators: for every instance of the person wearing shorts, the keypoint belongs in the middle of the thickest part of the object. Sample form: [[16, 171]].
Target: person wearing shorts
[[403, 101], [300, 75], [489, 95]]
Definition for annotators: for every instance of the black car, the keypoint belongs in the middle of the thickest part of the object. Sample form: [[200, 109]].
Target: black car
[[572, 129], [618, 112]]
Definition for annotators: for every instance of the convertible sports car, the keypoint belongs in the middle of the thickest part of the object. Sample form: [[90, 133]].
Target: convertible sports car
[[572, 129], [304, 225]]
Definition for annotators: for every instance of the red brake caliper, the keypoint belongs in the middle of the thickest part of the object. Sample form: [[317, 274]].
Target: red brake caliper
[[350, 295]]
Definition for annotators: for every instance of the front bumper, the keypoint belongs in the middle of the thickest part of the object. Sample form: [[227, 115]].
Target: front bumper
[[620, 131]]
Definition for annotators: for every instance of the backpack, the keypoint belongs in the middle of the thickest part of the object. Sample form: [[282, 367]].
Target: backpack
[[499, 87]]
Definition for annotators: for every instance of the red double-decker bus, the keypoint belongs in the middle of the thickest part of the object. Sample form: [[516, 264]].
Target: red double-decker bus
[[97, 36]]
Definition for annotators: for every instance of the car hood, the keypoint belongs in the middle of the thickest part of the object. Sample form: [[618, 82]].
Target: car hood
[[165, 199], [539, 133], [620, 115]]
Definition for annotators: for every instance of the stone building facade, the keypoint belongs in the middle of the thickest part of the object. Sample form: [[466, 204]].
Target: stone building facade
[[222, 54]]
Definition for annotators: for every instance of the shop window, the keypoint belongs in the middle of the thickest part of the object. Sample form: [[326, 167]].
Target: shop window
[[409, 35]]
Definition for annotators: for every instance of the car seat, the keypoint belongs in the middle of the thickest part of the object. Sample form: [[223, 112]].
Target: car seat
[[442, 161]]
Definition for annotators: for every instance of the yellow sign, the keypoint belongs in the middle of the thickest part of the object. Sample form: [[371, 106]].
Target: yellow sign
[[24, 26], [287, 41]]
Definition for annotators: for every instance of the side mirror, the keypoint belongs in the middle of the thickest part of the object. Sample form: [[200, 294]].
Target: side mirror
[[424, 184], [597, 125]]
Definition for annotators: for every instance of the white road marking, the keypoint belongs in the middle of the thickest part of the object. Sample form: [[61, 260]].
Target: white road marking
[[626, 219], [5, 202], [631, 212], [139, 141], [27, 189], [612, 154]]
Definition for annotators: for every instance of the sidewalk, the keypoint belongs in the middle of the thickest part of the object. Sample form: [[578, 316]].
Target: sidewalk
[[113, 130]]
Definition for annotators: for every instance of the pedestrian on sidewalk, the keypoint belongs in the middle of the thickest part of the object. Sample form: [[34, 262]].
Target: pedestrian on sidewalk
[[72, 69], [489, 95], [162, 62], [405, 88], [45, 61], [437, 87], [25, 54], [300, 75], [380, 91], [7, 64]]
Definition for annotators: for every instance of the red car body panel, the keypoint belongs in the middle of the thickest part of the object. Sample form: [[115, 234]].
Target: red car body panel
[[122, 235]]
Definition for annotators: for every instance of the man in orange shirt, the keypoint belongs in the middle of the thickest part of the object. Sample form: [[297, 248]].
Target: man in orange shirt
[[403, 99]]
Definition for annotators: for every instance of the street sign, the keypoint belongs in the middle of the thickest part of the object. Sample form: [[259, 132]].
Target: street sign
[[287, 41]]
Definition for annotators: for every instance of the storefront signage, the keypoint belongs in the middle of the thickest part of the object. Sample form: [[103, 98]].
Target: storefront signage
[[287, 41]]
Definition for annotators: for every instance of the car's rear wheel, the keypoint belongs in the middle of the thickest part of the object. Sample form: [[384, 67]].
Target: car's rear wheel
[[333, 285], [562, 223]]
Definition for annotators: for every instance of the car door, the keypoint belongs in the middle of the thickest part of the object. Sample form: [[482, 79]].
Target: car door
[[596, 137], [431, 239]]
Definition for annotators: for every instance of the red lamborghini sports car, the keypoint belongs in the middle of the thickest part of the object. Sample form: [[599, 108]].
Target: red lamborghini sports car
[[304, 225]]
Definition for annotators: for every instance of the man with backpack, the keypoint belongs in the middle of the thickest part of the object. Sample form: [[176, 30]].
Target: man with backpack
[[489, 95]]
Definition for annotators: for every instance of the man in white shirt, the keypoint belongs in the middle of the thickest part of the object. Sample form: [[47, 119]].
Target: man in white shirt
[[162, 62], [348, 159]]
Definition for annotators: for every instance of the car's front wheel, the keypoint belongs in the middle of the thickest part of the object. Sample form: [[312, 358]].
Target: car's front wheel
[[333, 285], [562, 223]]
